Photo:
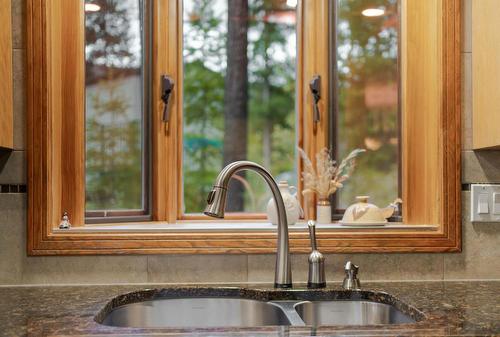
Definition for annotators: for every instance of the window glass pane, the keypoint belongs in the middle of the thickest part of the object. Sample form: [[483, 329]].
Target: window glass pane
[[239, 96], [367, 97], [114, 111]]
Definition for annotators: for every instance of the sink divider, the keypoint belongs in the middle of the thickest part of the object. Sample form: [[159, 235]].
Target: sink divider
[[288, 307]]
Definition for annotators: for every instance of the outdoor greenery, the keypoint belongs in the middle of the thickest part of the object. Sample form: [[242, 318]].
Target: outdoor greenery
[[367, 60], [113, 111], [113, 165], [239, 99], [270, 117]]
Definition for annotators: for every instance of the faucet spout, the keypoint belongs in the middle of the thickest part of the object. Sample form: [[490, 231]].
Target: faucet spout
[[216, 202]]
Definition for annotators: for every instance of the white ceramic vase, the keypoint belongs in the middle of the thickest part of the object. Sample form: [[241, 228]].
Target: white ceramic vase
[[292, 205], [323, 212]]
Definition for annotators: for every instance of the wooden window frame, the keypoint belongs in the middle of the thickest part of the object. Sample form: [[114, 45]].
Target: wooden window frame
[[103, 216], [55, 153]]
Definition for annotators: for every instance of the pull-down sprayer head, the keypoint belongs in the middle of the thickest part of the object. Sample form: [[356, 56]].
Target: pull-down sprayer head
[[216, 202]]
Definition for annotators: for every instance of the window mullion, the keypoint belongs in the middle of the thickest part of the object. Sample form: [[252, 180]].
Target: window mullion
[[166, 137], [315, 61]]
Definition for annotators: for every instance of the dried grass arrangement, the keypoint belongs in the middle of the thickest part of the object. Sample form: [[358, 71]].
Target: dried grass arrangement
[[327, 177]]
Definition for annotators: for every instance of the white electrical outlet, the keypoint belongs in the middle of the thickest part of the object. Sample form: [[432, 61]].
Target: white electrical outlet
[[485, 203]]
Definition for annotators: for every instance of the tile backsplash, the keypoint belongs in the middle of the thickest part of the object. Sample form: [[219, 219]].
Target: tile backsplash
[[480, 258]]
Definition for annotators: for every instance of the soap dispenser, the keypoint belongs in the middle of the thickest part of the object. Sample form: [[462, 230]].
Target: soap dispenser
[[351, 281], [316, 277]]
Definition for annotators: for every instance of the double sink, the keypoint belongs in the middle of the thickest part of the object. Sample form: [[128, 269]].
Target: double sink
[[192, 308], [244, 307]]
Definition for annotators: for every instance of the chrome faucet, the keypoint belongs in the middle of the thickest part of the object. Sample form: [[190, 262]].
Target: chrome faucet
[[217, 201]]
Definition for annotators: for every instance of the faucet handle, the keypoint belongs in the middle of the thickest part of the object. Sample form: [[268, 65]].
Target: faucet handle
[[351, 281]]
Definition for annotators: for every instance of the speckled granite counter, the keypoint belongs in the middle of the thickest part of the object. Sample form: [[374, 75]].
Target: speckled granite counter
[[450, 309]]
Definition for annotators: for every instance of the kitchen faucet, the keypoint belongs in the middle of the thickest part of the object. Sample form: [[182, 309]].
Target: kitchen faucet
[[217, 201]]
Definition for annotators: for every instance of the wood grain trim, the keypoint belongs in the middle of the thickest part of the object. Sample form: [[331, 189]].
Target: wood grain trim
[[486, 75], [431, 122], [42, 202], [422, 72], [64, 52], [314, 60], [55, 97], [67, 41], [6, 93], [238, 243], [451, 124], [163, 135]]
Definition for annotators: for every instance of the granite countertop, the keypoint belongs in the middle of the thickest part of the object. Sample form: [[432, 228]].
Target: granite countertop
[[445, 309]]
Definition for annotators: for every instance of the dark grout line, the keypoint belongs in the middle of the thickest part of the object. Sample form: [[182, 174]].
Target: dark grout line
[[13, 188]]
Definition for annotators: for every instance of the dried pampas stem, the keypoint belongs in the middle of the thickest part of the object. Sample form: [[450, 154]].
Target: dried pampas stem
[[327, 177]]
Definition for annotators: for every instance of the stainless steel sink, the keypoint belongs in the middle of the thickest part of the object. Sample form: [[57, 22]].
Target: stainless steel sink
[[349, 313], [237, 307], [197, 312]]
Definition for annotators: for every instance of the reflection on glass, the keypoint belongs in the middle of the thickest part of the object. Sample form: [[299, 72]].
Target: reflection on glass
[[114, 105], [239, 74], [367, 96]]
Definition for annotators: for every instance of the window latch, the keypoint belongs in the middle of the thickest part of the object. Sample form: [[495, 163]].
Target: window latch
[[167, 86], [315, 87]]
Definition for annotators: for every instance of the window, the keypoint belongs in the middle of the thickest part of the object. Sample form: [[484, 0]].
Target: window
[[366, 111], [131, 180], [239, 61], [116, 109], [239, 97]]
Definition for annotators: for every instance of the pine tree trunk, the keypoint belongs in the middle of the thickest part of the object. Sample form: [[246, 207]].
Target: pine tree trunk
[[236, 96]]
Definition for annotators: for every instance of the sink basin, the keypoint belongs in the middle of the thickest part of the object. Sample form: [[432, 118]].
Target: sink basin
[[196, 312], [239, 307], [350, 313]]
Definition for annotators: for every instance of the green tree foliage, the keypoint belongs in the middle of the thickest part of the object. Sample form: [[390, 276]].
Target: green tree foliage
[[272, 90], [113, 166], [271, 117], [203, 103], [367, 49], [113, 127]]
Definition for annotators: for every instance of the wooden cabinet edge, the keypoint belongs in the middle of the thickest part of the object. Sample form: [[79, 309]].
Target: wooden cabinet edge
[[485, 70], [6, 85]]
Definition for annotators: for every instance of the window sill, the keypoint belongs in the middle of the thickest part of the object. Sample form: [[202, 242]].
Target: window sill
[[236, 237], [230, 226]]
